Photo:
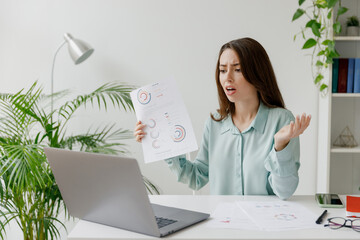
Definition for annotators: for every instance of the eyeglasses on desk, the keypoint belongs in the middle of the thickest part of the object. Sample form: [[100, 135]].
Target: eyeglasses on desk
[[339, 222]]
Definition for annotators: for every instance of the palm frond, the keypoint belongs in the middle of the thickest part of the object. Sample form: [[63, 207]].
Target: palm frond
[[119, 95], [17, 114], [113, 149], [22, 166], [8, 212], [101, 140], [150, 186], [55, 97], [47, 227]]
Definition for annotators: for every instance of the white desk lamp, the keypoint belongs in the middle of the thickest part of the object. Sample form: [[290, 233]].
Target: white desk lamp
[[79, 52]]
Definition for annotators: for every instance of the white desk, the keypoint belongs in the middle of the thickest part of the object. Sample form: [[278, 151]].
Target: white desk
[[90, 231]]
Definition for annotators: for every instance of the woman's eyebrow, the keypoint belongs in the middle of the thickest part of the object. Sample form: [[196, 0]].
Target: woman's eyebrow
[[224, 65]]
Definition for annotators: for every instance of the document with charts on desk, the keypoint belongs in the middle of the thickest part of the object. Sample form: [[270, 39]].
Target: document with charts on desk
[[230, 215], [169, 130], [279, 215], [266, 216]]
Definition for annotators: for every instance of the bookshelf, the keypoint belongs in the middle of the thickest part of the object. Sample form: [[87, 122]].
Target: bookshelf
[[345, 150], [347, 38], [345, 95], [339, 167]]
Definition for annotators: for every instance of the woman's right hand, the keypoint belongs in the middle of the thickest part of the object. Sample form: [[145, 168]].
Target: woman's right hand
[[139, 131]]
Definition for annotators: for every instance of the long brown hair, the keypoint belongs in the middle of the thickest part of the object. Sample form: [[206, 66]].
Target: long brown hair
[[257, 69]]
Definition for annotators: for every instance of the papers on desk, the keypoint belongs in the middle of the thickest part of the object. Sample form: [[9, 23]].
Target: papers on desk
[[268, 216], [279, 215], [229, 215], [169, 130]]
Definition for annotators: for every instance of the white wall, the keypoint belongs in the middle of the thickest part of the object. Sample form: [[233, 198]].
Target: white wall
[[142, 41]]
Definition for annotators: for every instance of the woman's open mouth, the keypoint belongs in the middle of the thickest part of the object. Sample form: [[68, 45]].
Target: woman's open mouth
[[230, 91]]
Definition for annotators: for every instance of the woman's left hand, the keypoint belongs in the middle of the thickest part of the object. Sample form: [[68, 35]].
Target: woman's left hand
[[283, 136]]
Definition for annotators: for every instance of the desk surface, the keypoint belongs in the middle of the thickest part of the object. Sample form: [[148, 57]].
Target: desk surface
[[85, 230]]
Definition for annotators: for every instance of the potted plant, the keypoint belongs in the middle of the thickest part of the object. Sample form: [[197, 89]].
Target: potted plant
[[29, 194], [321, 30], [352, 24]]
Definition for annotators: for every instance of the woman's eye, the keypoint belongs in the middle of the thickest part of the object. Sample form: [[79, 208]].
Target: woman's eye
[[222, 70], [238, 70]]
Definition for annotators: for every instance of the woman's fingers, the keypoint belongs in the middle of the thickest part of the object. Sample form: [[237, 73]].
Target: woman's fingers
[[139, 135], [139, 126], [306, 123], [301, 124], [139, 132], [292, 129], [139, 138]]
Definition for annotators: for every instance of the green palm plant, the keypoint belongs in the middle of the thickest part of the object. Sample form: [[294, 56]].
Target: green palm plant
[[29, 194]]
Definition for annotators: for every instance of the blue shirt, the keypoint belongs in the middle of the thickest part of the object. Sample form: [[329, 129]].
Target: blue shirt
[[243, 163]]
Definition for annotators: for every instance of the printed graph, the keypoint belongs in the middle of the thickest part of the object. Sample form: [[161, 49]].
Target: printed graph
[[151, 123], [154, 134], [143, 97], [179, 133], [155, 144]]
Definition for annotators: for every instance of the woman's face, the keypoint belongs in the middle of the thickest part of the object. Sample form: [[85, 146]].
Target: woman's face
[[235, 86]]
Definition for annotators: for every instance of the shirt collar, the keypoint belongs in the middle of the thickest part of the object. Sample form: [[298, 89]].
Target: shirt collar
[[258, 123]]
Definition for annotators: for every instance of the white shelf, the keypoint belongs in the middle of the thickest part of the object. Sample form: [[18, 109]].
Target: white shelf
[[347, 38], [345, 150], [345, 95], [338, 168]]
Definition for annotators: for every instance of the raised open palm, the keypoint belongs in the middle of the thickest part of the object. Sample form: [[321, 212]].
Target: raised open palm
[[294, 129]]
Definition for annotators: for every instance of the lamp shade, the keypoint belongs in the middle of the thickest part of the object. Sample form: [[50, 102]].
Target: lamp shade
[[78, 49]]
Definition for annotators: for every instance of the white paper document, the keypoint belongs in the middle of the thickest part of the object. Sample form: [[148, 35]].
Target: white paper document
[[169, 130], [230, 215], [265, 216], [279, 215]]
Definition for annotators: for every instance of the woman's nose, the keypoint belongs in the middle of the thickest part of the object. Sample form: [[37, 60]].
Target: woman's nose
[[228, 77]]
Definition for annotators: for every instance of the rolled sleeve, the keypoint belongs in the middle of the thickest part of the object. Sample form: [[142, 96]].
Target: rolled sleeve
[[283, 167], [195, 174], [285, 162]]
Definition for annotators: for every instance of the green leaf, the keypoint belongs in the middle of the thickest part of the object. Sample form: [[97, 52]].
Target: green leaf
[[322, 52], [337, 27], [321, 3], [319, 63], [310, 23], [299, 12], [329, 60], [331, 3], [301, 2], [331, 45], [318, 78], [329, 14], [333, 54], [341, 11], [315, 28], [323, 87], [326, 42], [309, 43]]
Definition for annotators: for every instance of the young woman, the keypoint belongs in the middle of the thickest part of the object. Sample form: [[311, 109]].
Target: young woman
[[251, 145]]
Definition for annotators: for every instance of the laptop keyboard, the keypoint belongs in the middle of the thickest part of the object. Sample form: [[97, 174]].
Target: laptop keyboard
[[162, 222]]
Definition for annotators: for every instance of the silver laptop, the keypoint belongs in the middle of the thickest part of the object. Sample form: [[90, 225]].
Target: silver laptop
[[110, 190]]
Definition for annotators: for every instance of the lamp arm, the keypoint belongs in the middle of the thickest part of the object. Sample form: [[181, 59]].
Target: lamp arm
[[52, 74]]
